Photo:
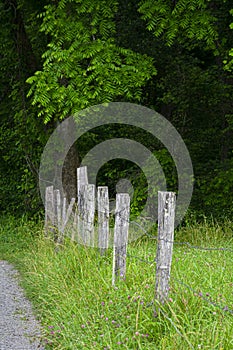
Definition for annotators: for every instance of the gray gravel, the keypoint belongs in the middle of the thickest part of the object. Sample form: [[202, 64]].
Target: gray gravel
[[19, 330]]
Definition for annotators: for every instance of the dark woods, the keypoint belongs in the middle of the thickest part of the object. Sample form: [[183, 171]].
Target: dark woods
[[62, 56]]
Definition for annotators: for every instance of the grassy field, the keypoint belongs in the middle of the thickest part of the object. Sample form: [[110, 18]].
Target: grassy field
[[79, 309]]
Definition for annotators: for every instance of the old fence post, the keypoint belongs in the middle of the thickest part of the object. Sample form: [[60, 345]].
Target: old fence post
[[61, 227], [88, 215], [166, 219], [82, 180], [103, 218], [57, 215], [75, 233], [66, 212], [63, 211], [120, 235], [49, 210]]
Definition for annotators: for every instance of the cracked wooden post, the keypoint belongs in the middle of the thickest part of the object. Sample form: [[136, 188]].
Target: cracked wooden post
[[61, 228], [88, 215], [120, 235], [57, 215], [103, 218], [49, 210], [166, 220], [74, 227], [66, 213], [82, 180]]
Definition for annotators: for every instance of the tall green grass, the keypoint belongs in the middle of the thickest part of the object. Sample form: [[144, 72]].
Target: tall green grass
[[79, 309]]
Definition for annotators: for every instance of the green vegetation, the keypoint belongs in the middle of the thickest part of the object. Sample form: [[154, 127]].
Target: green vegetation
[[79, 309], [175, 57], [62, 56]]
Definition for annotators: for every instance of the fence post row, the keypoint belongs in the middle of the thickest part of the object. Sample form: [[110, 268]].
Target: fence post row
[[120, 235], [166, 219], [57, 215]]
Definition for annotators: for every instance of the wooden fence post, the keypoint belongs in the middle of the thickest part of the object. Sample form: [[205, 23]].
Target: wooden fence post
[[49, 210], [82, 180], [57, 215], [166, 219], [61, 227], [120, 235], [88, 214], [103, 218], [66, 212], [75, 226]]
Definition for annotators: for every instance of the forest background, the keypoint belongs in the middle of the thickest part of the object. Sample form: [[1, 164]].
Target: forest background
[[59, 57]]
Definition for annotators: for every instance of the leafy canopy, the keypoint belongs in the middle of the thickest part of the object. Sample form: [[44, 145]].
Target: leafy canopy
[[83, 65], [180, 20]]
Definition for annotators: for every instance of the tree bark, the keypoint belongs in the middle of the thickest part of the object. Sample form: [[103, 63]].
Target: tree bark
[[69, 171]]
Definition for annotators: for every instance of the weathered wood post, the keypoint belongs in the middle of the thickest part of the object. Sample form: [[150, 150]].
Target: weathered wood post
[[82, 180], [49, 210], [57, 214], [120, 235], [103, 218], [66, 212], [75, 232], [88, 215], [61, 227], [166, 219]]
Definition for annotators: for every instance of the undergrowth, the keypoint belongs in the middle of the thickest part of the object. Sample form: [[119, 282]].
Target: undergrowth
[[78, 307]]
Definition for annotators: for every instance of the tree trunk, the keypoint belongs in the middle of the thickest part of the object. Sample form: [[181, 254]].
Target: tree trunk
[[71, 163], [69, 170]]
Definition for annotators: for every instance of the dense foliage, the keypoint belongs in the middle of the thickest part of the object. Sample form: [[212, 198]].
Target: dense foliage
[[62, 56]]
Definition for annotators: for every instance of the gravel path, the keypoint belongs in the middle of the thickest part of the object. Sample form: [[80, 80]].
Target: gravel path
[[19, 330]]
